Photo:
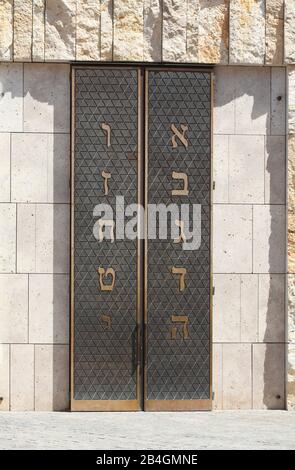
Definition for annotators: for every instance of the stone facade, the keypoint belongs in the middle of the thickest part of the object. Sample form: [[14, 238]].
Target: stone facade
[[34, 120]]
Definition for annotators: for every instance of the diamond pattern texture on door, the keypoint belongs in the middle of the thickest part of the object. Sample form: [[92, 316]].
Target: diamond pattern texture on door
[[179, 369], [104, 355]]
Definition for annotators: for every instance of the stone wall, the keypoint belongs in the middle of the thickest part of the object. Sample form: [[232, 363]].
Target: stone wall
[[203, 31], [248, 237]]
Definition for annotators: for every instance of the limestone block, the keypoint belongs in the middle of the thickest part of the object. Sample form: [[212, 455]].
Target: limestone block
[[291, 100], [237, 376], [5, 167], [224, 100], [275, 169], [272, 308], [252, 103], [217, 376], [6, 30], [14, 308], [128, 30], [268, 376], [22, 30], [192, 31], [4, 377], [52, 238], [174, 31], [7, 237], [278, 101], [22, 377], [44, 158], [38, 49], [249, 308], [213, 31], [291, 308], [47, 98], [269, 246], [232, 241], [49, 308], [220, 168], [274, 32], [43, 238], [291, 203], [246, 169], [60, 30], [291, 377], [290, 32], [88, 30], [11, 97], [152, 31], [26, 238], [51, 377], [247, 32], [226, 308], [106, 30]]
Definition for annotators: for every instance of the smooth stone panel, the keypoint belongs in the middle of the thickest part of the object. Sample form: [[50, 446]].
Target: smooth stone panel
[[14, 308], [269, 245], [220, 168], [272, 308], [291, 377], [217, 376], [22, 377], [274, 32], [291, 308], [88, 30], [249, 308], [22, 30], [247, 32], [252, 103], [232, 241], [291, 100], [4, 377], [47, 98], [26, 238], [128, 30], [60, 30], [7, 237], [290, 31], [237, 377], [226, 308], [52, 238], [5, 168], [224, 100], [278, 101], [6, 30], [49, 308], [38, 50], [106, 30], [268, 376], [246, 169], [275, 170], [51, 377], [213, 31], [291, 203], [11, 97], [152, 30]]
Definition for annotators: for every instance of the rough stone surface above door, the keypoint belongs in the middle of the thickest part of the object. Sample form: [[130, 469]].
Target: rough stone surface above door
[[197, 31]]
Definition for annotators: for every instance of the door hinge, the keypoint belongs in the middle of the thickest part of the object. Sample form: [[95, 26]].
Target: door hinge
[[213, 185]]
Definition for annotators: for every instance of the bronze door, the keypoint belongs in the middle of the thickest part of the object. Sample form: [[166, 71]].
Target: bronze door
[[140, 309]]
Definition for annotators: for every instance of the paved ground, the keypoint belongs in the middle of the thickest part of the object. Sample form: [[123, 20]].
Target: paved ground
[[202, 430]]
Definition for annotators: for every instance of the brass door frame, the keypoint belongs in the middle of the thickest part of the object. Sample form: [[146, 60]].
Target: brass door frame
[[141, 403]]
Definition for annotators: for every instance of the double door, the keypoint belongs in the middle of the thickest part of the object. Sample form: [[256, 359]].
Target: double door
[[140, 272]]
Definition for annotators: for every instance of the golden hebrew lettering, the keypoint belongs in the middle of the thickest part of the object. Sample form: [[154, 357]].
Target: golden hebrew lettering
[[105, 273], [105, 127], [182, 273], [180, 224], [180, 135], [108, 320], [105, 223], [180, 319], [180, 176], [106, 177]]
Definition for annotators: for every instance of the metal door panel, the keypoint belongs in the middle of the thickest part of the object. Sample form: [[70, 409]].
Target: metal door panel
[[177, 371]]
